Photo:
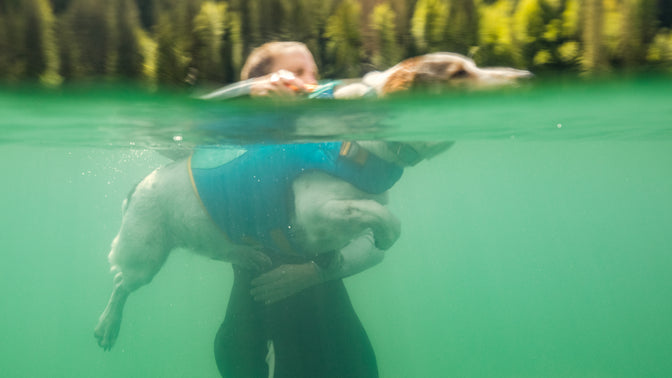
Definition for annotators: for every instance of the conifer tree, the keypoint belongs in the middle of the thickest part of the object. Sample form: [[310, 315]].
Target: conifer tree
[[209, 28], [529, 28], [593, 58], [386, 50], [232, 48], [127, 58], [428, 25], [497, 43], [344, 40], [462, 26], [171, 61], [12, 64], [86, 38]]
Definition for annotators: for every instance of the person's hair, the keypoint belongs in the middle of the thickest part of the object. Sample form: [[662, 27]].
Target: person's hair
[[261, 59]]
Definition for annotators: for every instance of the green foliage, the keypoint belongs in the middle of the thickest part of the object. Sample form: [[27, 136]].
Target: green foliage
[[593, 59], [86, 39], [660, 50], [171, 57], [178, 41], [571, 20], [344, 45], [528, 21], [496, 35], [217, 44], [462, 28], [428, 25], [126, 58], [232, 48], [209, 28], [386, 51], [28, 46]]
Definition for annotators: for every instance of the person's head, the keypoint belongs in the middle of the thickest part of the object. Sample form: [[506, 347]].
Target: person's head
[[273, 56]]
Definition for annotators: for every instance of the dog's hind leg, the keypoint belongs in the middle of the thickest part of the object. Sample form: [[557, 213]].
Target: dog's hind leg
[[134, 265], [137, 254]]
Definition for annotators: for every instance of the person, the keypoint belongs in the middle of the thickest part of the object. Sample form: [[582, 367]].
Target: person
[[296, 319], [277, 69]]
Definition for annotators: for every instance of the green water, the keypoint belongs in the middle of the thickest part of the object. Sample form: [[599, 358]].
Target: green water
[[540, 245]]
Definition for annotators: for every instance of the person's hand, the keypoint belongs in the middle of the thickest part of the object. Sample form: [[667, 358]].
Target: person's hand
[[279, 84], [250, 258], [285, 281]]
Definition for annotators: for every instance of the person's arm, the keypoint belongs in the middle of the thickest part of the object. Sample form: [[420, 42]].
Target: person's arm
[[289, 279], [278, 84]]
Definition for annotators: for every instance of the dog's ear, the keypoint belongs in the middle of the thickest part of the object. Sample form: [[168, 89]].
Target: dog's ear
[[402, 76]]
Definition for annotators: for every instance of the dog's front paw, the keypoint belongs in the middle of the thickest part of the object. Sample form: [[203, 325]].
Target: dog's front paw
[[387, 236], [106, 331]]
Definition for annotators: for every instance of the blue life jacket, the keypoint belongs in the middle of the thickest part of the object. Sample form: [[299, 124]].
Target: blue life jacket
[[250, 197]]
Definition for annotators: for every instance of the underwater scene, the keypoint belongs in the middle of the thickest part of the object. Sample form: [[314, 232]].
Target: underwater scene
[[538, 245]]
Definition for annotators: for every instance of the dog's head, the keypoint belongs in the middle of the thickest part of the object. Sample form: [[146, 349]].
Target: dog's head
[[439, 71]]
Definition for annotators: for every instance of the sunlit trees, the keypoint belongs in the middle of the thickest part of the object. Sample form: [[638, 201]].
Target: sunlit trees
[[125, 58], [209, 28], [86, 39], [428, 25], [462, 26], [529, 29], [660, 50], [344, 40], [28, 45], [593, 58], [386, 50], [195, 41], [217, 43], [497, 44]]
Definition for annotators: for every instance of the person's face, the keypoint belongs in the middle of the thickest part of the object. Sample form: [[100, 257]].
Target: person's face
[[299, 62]]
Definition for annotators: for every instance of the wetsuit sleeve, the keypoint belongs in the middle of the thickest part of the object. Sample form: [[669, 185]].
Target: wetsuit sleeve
[[356, 257]]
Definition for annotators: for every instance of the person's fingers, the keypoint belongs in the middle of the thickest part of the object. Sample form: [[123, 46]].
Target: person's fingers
[[289, 80], [259, 260], [274, 291], [283, 88], [282, 282], [269, 277], [272, 294]]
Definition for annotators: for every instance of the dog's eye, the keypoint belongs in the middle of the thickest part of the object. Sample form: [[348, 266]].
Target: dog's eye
[[461, 74]]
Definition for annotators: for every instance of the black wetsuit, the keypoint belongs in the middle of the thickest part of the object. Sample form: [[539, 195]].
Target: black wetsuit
[[316, 333]]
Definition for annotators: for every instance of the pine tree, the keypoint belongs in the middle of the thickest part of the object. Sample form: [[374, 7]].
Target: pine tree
[[462, 26], [86, 38], [593, 58], [428, 25], [127, 58], [386, 51], [529, 28], [209, 26], [344, 40]]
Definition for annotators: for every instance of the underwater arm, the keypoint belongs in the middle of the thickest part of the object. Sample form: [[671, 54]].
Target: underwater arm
[[287, 280]]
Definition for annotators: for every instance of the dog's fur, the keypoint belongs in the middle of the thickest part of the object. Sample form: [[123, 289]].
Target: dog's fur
[[440, 71], [164, 213]]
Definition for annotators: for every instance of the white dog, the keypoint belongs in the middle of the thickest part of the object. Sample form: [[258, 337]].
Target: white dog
[[329, 206], [166, 212]]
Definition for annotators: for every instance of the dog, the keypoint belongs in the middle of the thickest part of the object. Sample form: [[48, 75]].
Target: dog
[[314, 205], [327, 214], [439, 72]]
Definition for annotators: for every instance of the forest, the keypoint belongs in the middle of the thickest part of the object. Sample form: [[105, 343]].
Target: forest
[[189, 42]]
